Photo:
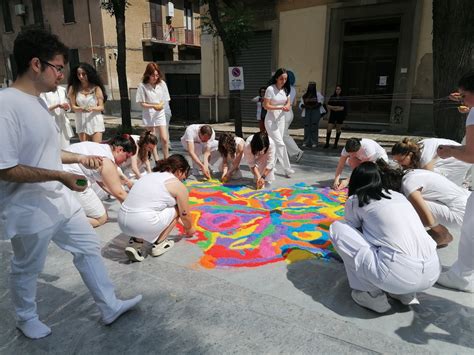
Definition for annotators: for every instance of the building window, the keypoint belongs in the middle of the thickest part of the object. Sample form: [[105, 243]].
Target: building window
[[68, 7], [73, 58], [37, 11], [7, 17]]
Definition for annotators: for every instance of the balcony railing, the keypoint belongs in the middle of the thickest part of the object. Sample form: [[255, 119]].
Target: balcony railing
[[168, 34]]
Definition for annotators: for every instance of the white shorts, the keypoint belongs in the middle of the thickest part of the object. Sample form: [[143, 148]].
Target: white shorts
[[91, 203], [145, 224], [152, 118]]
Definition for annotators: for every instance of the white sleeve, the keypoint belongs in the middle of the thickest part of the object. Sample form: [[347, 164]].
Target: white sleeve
[[188, 134], [44, 97], [166, 94], [428, 152], [10, 137], [410, 184], [141, 94], [256, 99], [269, 93], [344, 153], [350, 212]]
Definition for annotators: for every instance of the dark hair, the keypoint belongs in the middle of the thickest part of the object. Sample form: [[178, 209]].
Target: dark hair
[[145, 138], [172, 164], [409, 146], [264, 88], [205, 130], [275, 76], [227, 145], [467, 81], [311, 91], [337, 86], [366, 183], [92, 77], [352, 145], [149, 71], [391, 177], [40, 44], [259, 142], [125, 141]]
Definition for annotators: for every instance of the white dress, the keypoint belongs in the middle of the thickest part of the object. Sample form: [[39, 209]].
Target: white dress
[[88, 122], [146, 93]]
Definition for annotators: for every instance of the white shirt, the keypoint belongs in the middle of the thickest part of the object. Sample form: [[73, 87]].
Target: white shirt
[[192, 135], [369, 150], [277, 98], [153, 95], [430, 146], [391, 223], [150, 193], [29, 137], [435, 187], [256, 99], [267, 158], [88, 148]]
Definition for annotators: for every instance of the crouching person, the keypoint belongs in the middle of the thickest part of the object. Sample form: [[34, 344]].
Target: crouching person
[[154, 205], [383, 244]]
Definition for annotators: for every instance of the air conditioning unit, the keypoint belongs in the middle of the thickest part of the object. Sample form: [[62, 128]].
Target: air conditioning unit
[[170, 9], [20, 10]]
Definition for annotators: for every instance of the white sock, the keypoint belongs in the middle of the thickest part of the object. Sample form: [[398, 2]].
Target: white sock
[[124, 307], [33, 328]]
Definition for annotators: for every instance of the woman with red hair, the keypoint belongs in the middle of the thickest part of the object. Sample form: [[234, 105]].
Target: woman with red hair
[[153, 95]]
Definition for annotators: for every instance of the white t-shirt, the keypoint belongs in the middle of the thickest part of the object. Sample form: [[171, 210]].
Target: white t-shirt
[[28, 136], [256, 99], [435, 187], [150, 193], [369, 150], [89, 148], [391, 223], [153, 95], [430, 146], [277, 98], [268, 158], [192, 135]]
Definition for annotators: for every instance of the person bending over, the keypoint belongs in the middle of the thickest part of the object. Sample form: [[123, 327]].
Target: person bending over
[[231, 149], [259, 153]]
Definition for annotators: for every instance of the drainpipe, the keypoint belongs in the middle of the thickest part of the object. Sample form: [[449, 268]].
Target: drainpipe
[[216, 77]]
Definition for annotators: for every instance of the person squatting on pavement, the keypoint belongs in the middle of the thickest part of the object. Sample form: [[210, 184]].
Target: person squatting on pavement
[[383, 244], [36, 204], [231, 149], [154, 205]]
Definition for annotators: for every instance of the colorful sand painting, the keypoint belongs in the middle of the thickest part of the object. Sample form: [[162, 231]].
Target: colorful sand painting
[[242, 227]]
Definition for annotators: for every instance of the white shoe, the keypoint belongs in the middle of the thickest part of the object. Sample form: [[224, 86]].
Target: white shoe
[[408, 299], [33, 328], [163, 247], [450, 280], [124, 307], [299, 156], [377, 303], [289, 172], [134, 254]]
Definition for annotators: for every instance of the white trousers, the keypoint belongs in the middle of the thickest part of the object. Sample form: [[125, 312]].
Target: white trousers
[[291, 146], [275, 129], [29, 254], [371, 268], [464, 266]]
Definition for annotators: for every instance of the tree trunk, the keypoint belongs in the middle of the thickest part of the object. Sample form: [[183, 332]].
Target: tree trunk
[[122, 72], [452, 50]]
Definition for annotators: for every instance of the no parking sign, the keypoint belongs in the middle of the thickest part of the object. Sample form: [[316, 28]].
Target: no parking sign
[[236, 78]]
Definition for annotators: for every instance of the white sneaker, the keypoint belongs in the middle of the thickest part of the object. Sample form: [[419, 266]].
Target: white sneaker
[[163, 247], [33, 328], [450, 280], [289, 172], [377, 303], [299, 156], [408, 299]]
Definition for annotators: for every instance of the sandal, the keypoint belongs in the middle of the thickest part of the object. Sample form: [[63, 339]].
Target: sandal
[[134, 254], [163, 247]]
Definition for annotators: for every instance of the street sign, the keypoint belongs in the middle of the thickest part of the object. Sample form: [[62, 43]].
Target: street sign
[[236, 78]]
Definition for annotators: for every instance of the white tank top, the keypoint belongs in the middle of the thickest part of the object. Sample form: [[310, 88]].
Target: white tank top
[[150, 193], [88, 148]]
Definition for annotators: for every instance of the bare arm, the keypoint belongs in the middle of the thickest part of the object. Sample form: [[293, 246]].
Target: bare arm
[[193, 155], [156, 107], [29, 174], [72, 98], [430, 165], [464, 153], [180, 193], [338, 185], [111, 180], [89, 161], [100, 100], [134, 163], [422, 208]]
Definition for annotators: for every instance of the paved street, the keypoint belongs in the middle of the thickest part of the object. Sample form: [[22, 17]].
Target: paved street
[[278, 308]]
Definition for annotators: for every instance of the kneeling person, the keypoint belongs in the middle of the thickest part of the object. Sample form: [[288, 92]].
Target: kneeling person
[[153, 206]]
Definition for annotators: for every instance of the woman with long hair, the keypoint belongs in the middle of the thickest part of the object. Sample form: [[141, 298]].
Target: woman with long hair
[[139, 163], [114, 152], [231, 149], [312, 105], [259, 152], [154, 205], [87, 95], [152, 94], [383, 244], [277, 103], [337, 104], [411, 154]]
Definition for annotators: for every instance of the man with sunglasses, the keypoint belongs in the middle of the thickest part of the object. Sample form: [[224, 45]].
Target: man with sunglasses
[[36, 202]]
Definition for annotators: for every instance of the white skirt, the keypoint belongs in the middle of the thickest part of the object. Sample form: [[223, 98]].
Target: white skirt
[[89, 122]]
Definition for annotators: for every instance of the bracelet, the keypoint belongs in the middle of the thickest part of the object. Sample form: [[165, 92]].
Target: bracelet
[[263, 177], [432, 226]]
